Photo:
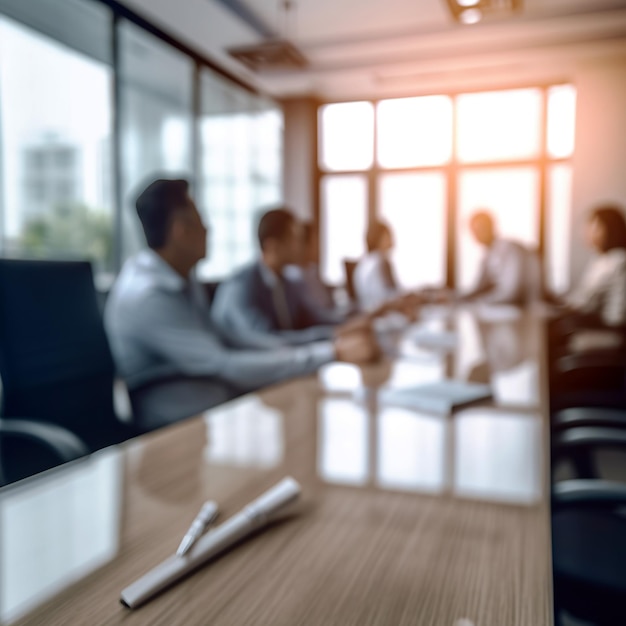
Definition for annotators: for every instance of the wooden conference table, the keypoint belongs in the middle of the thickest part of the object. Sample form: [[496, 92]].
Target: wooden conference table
[[406, 517]]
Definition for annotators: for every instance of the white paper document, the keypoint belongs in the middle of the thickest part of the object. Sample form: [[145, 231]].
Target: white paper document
[[440, 397]]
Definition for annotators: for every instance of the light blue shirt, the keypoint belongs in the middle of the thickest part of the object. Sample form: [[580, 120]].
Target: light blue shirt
[[159, 325], [510, 274]]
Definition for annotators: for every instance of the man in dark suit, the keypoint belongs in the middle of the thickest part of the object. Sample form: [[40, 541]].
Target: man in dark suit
[[259, 307]]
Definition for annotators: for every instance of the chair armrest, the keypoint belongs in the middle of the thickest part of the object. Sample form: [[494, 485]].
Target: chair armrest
[[572, 322], [605, 360], [62, 442], [121, 402], [588, 416], [589, 371], [592, 493], [589, 437]]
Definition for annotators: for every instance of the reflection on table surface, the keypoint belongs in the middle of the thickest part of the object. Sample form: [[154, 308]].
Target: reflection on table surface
[[481, 453], [56, 530], [407, 518]]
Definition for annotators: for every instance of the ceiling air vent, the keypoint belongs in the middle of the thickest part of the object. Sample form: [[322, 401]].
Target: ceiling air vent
[[276, 54]]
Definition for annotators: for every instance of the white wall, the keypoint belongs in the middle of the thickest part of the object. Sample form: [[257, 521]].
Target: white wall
[[600, 153]]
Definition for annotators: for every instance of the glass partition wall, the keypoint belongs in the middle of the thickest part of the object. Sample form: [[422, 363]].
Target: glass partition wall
[[56, 192], [94, 102], [425, 164]]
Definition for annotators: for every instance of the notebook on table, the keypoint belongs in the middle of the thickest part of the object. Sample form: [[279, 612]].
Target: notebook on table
[[440, 340], [440, 397]]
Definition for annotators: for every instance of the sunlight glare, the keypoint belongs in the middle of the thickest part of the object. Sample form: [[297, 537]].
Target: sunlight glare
[[343, 455], [414, 206], [511, 196], [343, 223], [347, 136], [414, 131], [499, 125], [561, 120]]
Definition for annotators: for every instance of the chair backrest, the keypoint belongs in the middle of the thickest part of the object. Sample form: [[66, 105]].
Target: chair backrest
[[55, 361], [534, 280], [27, 448], [349, 267]]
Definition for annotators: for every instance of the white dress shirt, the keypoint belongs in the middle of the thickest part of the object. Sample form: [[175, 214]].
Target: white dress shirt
[[371, 286], [602, 289], [510, 274]]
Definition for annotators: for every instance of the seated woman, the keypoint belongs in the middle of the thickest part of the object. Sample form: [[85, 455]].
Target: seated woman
[[601, 293], [377, 291], [374, 280]]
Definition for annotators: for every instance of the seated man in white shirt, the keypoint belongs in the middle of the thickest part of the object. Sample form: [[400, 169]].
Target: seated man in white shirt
[[157, 318], [510, 273]]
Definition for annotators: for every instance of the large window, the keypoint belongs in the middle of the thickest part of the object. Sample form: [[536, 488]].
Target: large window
[[240, 170], [412, 203], [511, 195], [426, 164], [56, 186], [156, 119], [69, 175]]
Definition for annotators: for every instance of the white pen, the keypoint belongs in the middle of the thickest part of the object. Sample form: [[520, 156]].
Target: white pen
[[253, 517], [207, 516]]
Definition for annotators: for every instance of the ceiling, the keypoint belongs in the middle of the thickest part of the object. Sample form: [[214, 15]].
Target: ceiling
[[377, 48]]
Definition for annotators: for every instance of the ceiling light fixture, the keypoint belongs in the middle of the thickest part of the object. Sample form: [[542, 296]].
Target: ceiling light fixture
[[473, 11], [471, 16]]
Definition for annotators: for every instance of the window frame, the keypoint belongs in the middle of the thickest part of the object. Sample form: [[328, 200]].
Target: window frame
[[543, 162], [119, 14]]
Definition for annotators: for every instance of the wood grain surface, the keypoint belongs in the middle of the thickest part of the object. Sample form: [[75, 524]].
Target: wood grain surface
[[405, 518]]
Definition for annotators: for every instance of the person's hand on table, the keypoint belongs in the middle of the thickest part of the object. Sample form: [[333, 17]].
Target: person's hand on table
[[377, 374], [442, 296], [360, 322], [407, 305], [358, 346]]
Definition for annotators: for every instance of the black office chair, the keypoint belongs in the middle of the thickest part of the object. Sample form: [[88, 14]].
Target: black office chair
[[589, 551], [55, 362], [593, 378], [561, 331], [349, 268], [27, 448], [579, 445]]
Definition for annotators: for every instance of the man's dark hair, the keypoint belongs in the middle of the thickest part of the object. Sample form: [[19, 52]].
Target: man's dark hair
[[612, 218], [156, 206], [274, 224], [375, 233]]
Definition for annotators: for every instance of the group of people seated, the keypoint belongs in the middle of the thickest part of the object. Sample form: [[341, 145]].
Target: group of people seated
[[274, 319]]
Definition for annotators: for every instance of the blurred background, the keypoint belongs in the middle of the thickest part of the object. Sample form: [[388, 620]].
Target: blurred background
[[417, 111]]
